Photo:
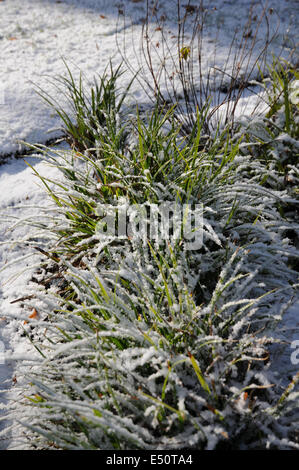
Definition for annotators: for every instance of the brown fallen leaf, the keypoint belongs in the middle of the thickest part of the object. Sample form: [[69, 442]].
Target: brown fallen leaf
[[211, 408], [133, 397], [103, 17], [34, 314]]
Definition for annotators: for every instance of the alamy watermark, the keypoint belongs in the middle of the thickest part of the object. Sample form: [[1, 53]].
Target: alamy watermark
[[295, 354], [168, 221]]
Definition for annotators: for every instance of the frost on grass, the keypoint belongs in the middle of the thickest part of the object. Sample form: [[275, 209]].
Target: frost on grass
[[150, 345]]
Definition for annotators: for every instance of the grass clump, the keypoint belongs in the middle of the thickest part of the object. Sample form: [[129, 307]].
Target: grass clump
[[94, 115], [150, 345], [275, 135], [178, 65]]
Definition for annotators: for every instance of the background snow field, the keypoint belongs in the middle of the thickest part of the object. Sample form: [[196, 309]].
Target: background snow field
[[35, 35]]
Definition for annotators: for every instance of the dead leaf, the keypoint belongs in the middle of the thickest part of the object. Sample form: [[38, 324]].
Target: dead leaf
[[103, 17], [211, 408], [34, 314]]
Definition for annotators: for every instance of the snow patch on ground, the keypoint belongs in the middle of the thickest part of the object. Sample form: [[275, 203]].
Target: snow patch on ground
[[22, 200], [36, 34]]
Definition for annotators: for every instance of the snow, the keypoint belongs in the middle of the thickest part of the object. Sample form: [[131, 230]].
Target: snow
[[285, 358], [35, 35], [21, 197]]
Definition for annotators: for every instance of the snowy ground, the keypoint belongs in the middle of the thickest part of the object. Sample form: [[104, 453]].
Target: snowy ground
[[34, 36]]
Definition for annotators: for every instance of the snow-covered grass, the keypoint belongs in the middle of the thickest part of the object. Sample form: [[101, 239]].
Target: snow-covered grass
[[149, 345], [152, 345]]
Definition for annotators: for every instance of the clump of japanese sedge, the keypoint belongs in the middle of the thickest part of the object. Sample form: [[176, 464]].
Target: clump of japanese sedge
[[150, 343]]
